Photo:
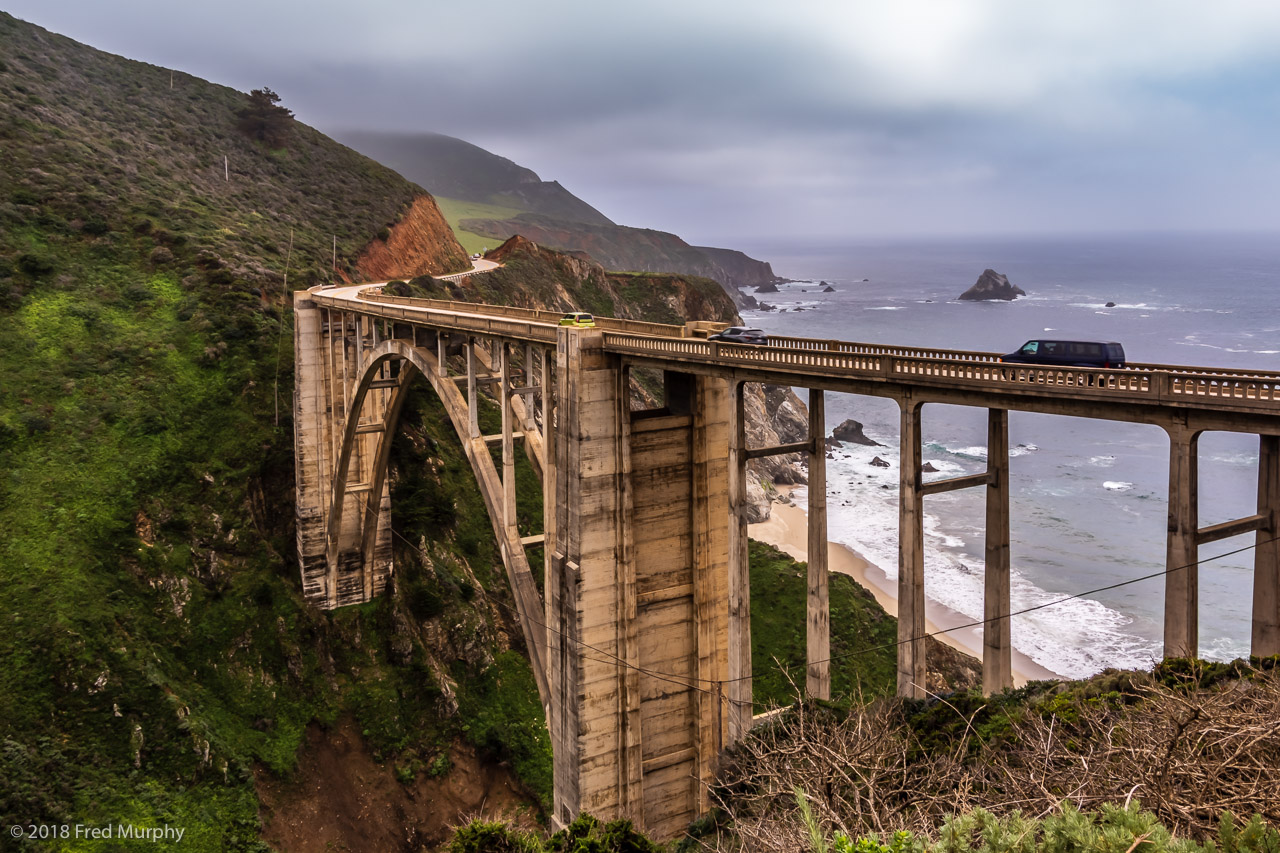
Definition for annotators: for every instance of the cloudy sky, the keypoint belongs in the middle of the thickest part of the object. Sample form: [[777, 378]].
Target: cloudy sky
[[745, 123]]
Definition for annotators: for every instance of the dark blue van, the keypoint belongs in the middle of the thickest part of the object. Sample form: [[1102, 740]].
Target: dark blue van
[[1103, 354]]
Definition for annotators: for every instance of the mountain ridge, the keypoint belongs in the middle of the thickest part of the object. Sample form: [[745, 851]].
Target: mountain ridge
[[548, 214]]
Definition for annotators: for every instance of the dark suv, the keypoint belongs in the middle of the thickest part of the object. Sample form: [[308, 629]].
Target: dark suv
[[741, 335], [1104, 354]]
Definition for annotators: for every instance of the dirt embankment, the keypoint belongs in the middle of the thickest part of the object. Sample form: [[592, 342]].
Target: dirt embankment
[[341, 799], [421, 243]]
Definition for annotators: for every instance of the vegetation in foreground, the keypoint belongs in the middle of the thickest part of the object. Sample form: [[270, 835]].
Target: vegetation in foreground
[[1190, 740], [1184, 758]]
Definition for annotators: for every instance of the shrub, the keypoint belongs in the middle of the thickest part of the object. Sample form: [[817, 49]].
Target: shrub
[[34, 265]]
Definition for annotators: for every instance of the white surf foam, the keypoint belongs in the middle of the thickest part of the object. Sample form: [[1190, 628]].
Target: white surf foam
[[1075, 639]]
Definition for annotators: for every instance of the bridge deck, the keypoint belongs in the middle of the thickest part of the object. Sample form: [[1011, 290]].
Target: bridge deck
[[1226, 399]]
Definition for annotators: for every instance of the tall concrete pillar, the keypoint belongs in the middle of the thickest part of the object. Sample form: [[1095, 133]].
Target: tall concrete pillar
[[312, 443], [709, 471], [997, 645], [739, 710], [1265, 636], [1181, 583], [473, 398], [911, 620], [818, 621], [582, 588], [549, 451], [503, 355]]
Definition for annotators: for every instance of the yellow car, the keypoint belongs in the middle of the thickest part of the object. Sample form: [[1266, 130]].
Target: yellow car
[[578, 319]]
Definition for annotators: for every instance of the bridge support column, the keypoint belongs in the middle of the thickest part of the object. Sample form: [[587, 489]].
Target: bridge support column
[[818, 622], [911, 621], [312, 441], [997, 646], [549, 474], [1265, 639], [473, 398], [739, 586], [1181, 582], [503, 355], [582, 588], [636, 592]]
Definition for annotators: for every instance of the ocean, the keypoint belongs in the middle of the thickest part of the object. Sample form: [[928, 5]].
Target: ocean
[[1088, 496]]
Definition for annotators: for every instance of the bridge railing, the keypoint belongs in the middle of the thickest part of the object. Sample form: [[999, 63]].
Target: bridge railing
[[1239, 389], [413, 311], [532, 315], [1137, 382], [879, 349]]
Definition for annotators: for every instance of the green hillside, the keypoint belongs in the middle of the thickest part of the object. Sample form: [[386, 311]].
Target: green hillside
[[455, 169], [157, 655]]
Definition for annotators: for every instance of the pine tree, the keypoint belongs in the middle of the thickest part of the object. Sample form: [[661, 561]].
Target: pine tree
[[265, 120]]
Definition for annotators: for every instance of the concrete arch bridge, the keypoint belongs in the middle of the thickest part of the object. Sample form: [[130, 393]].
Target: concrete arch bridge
[[640, 640]]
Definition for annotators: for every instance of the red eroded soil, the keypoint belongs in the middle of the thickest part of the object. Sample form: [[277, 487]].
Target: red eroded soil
[[421, 243], [341, 799]]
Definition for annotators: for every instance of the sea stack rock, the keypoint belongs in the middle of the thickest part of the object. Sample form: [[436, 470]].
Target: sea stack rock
[[851, 431], [767, 287], [828, 289], [992, 285]]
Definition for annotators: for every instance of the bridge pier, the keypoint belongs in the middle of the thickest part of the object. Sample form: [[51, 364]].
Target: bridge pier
[[636, 592], [740, 708], [818, 607], [997, 642], [1265, 636], [1182, 578], [911, 621]]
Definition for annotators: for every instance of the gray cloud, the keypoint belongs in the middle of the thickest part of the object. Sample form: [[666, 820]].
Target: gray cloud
[[739, 122]]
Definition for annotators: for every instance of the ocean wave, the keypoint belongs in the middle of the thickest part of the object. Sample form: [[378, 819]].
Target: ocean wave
[[974, 453], [1102, 461], [1075, 639], [1117, 486], [1235, 458], [1021, 450], [885, 308]]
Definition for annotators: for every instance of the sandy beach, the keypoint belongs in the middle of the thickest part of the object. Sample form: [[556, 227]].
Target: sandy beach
[[787, 530]]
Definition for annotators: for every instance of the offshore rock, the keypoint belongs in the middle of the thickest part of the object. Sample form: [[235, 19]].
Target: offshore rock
[[992, 285], [851, 431], [879, 463], [767, 287]]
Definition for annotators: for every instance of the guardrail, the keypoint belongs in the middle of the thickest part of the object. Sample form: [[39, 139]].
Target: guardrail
[[411, 311], [965, 369], [976, 371], [533, 315]]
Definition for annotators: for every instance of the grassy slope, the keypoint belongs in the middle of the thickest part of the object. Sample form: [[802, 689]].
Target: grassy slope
[[864, 661], [455, 211], [156, 648]]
